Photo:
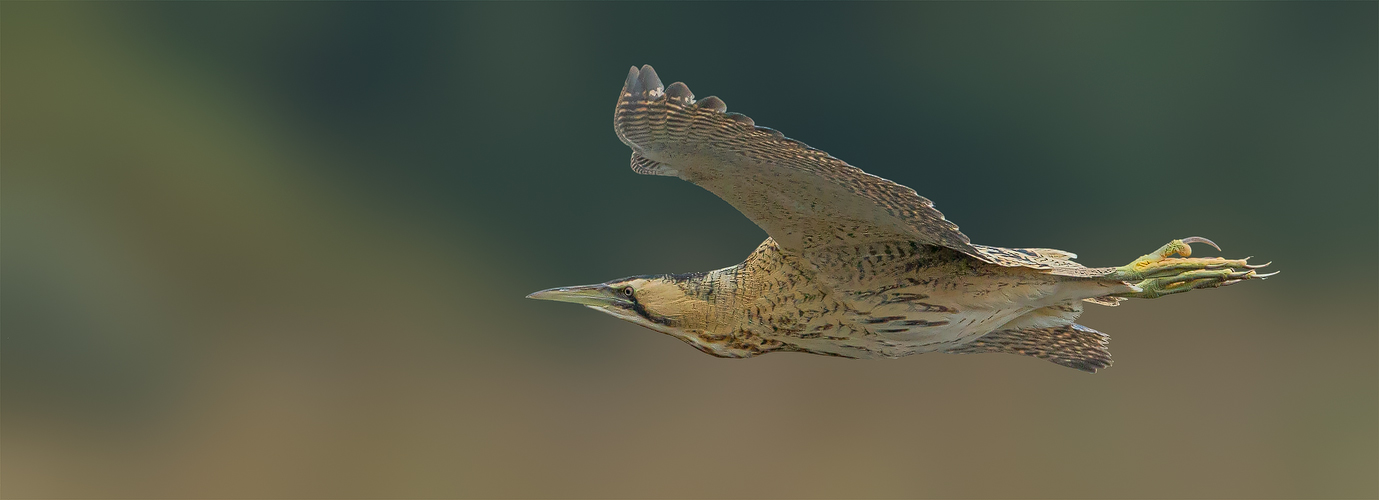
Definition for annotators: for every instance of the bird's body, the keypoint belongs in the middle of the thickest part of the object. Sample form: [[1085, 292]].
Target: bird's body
[[855, 265], [883, 299]]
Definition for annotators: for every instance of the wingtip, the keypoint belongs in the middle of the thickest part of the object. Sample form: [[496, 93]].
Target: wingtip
[[713, 103], [680, 91], [631, 85], [743, 119], [648, 79]]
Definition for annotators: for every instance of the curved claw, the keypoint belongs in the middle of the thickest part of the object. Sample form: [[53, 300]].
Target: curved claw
[[1199, 239], [1266, 275], [1251, 266]]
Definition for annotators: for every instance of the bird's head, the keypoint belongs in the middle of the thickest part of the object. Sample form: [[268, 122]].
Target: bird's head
[[658, 302]]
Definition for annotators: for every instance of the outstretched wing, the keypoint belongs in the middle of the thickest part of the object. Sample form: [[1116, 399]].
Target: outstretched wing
[[803, 197]]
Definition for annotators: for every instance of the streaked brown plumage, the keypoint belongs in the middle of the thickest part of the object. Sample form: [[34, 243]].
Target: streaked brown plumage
[[855, 265]]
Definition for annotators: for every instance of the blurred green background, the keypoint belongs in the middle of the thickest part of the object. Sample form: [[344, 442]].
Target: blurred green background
[[280, 249]]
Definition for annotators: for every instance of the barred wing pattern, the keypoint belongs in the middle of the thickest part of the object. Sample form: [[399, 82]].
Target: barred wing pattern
[[802, 197]]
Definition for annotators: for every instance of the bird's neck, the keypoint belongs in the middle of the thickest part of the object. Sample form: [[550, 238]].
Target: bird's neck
[[713, 295], [726, 296], [717, 311]]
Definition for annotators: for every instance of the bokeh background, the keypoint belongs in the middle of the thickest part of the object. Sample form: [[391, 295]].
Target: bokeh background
[[280, 249]]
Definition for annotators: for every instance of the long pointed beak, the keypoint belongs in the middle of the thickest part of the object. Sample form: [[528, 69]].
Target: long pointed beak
[[589, 295]]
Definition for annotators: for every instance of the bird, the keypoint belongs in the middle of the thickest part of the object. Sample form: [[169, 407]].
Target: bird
[[854, 265]]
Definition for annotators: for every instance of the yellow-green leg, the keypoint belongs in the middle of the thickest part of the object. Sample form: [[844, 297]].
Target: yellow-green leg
[[1161, 273]]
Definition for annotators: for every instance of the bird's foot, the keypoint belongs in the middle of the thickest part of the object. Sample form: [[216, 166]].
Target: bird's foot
[[1161, 273]]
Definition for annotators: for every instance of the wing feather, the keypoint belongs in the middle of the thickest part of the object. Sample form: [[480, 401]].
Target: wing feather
[[1053, 261], [801, 196]]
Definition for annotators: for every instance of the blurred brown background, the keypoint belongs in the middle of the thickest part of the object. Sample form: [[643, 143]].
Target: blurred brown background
[[280, 249]]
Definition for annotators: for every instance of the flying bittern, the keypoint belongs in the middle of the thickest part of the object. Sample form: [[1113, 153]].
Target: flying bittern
[[856, 265]]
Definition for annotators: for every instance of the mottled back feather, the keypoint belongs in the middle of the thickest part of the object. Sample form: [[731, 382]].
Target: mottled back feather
[[1053, 261]]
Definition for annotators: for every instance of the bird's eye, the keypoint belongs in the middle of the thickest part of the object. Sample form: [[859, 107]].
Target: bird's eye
[[627, 291]]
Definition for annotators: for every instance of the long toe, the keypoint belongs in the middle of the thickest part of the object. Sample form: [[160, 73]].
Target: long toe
[[1161, 273]]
